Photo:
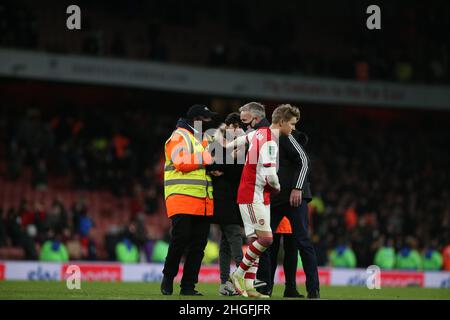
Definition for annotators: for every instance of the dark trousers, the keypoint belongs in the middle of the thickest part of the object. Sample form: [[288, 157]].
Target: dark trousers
[[290, 258], [189, 236], [298, 217], [230, 248]]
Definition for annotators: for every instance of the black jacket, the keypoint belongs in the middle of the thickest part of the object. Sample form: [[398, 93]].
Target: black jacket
[[293, 170], [225, 188]]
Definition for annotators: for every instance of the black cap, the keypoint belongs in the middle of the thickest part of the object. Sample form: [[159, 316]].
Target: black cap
[[199, 110]]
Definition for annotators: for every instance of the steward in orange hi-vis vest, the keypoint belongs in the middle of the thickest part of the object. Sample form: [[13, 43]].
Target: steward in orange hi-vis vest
[[189, 199], [187, 186]]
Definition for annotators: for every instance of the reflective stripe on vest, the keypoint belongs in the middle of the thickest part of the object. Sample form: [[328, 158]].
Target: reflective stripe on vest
[[195, 183], [186, 181]]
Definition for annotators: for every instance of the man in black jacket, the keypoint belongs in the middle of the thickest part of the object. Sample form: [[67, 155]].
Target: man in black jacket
[[292, 202], [226, 175]]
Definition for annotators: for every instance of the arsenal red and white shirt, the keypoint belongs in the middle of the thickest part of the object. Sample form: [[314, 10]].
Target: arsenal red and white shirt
[[260, 162]]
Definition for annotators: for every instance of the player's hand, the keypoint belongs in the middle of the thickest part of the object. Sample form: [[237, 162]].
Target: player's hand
[[295, 198], [275, 190]]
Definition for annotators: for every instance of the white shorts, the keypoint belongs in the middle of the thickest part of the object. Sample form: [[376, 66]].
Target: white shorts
[[256, 216]]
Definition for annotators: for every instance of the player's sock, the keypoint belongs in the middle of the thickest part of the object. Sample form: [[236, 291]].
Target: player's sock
[[253, 252], [250, 275]]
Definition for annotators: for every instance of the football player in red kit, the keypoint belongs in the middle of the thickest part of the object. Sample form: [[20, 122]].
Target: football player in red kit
[[259, 178]]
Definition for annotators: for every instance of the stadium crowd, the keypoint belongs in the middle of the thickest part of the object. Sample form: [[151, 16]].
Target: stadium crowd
[[302, 38], [379, 181], [382, 182]]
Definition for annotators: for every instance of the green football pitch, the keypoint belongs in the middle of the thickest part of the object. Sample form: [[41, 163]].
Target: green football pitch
[[141, 291]]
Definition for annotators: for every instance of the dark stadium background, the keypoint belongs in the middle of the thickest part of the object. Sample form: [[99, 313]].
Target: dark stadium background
[[382, 172]]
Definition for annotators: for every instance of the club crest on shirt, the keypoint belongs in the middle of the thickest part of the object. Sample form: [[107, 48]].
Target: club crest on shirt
[[261, 222], [259, 136]]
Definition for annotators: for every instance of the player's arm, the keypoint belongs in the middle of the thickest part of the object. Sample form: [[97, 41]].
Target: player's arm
[[239, 142], [182, 159], [295, 152], [268, 156], [274, 183]]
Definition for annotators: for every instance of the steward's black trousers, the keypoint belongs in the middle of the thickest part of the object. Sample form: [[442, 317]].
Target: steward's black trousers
[[190, 236], [298, 217]]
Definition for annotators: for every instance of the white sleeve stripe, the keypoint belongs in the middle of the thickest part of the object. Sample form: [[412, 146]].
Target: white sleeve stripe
[[304, 159], [302, 174], [304, 170]]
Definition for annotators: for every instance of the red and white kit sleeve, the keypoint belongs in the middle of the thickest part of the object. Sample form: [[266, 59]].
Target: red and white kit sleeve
[[268, 163]]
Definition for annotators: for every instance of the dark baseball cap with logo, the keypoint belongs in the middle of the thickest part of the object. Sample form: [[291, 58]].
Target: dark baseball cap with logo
[[200, 110]]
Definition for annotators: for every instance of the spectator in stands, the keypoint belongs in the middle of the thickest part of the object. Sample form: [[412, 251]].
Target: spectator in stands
[[432, 258], [408, 258], [343, 256], [13, 227], [74, 248], [53, 250], [25, 213], [112, 237], [56, 220], [122, 158], [83, 226], [385, 255], [362, 239], [351, 217], [88, 246], [127, 251], [33, 221], [79, 209], [159, 252], [19, 236], [137, 233]]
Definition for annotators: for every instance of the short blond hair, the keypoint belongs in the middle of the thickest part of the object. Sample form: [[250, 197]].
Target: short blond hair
[[285, 112]]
